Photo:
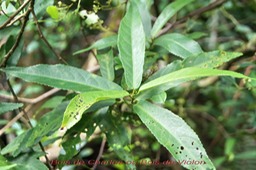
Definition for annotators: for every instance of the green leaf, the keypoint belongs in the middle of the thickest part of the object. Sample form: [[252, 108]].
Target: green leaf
[[7, 8], [14, 59], [110, 41], [246, 155], [144, 10], [174, 66], [3, 19], [179, 45], [219, 161], [229, 146], [131, 46], [32, 164], [100, 104], [7, 32], [166, 14], [17, 145], [196, 35], [7, 167], [204, 60], [117, 136], [173, 133], [47, 125], [53, 11], [106, 62], [2, 52], [159, 98], [5, 164], [210, 59], [29, 161], [83, 101], [41, 6], [70, 147], [87, 124], [188, 74], [150, 61], [63, 77], [52, 102], [6, 107]]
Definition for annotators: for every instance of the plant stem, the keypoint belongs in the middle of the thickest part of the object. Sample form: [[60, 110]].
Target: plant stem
[[45, 40]]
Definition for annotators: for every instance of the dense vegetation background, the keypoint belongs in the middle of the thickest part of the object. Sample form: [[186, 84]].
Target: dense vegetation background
[[221, 110]]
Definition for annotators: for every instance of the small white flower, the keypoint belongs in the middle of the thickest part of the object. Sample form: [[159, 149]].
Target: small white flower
[[83, 13], [92, 18]]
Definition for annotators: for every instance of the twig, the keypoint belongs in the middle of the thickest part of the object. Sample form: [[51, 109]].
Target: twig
[[11, 51], [230, 17], [34, 100], [45, 40], [100, 152], [16, 13], [16, 19], [198, 12]]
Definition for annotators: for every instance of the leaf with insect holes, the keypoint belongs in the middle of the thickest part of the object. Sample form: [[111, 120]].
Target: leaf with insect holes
[[117, 135], [211, 59], [81, 102], [204, 60], [173, 132], [71, 139]]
